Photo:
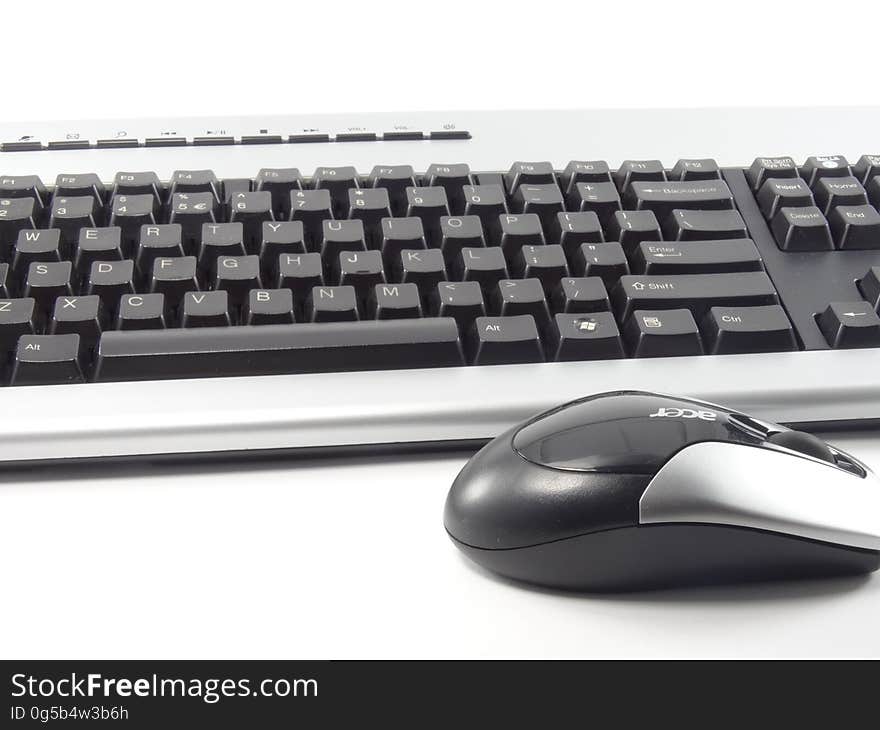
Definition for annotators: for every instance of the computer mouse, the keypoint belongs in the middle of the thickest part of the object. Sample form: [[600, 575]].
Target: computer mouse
[[633, 490]]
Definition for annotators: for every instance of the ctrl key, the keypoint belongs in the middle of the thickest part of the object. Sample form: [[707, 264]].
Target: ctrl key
[[47, 359], [850, 325], [504, 340]]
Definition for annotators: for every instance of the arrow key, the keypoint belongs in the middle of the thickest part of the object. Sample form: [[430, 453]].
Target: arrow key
[[849, 325]]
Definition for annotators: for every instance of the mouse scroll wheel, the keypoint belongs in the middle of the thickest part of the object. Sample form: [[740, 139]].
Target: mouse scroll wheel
[[804, 443]]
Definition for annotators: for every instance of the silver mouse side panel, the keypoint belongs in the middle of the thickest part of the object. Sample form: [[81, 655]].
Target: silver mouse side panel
[[765, 489]]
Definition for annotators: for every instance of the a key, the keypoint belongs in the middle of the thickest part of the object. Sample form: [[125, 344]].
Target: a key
[[486, 266], [33, 246], [68, 215], [203, 309], [311, 208], [422, 268], [834, 191], [394, 301], [16, 214], [279, 183], [138, 183], [429, 204], [192, 211], [84, 185], [252, 210], [516, 231], [451, 177], [775, 194], [110, 280], [195, 182], [748, 329], [521, 296], [141, 312], [268, 306], [220, 239], [701, 225], [855, 226], [586, 171], [663, 333], [300, 273], [689, 170], [547, 264], [503, 340], [600, 198], [605, 260], [47, 280], [822, 166], [47, 359], [663, 199], [237, 275], [79, 315], [395, 179], [369, 206], [461, 300], [332, 304], [850, 325], [130, 213], [280, 237], [276, 349], [399, 234], [765, 168], [337, 181], [529, 173], [360, 269], [801, 229], [638, 170], [97, 244], [570, 230], [696, 257], [580, 294], [339, 236], [487, 202], [630, 228], [458, 232], [867, 167], [585, 336], [545, 201], [17, 317], [24, 186], [697, 292], [174, 277]]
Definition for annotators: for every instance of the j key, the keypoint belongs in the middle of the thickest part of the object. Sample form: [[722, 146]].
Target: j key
[[399, 234], [46, 359], [192, 211], [586, 171], [138, 183], [237, 275], [452, 178], [68, 215], [700, 225], [141, 312], [666, 333], [83, 316], [394, 301], [461, 300], [280, 237], [816, 168], [687, 170], [633, 170], [516, 231], [545, 201], [486, 202], [801, 229], [486, 266], [547, 264], [339, 236], [220, 239], [581, 294], [251, 210], [276, 349], [268, 306], [130, 213], [600, 198], [429, 204], [765, 168], [332, 304], [458, 232], [360, 269], [850, 325], [501, 340], [110, 280], [97, 244], [16, 214], [748, 329], [17, 317], [869, 286], [47, 280], [606, 260], [529, 173], [630, 228], [834, 191], [868, 166], [395, 179], [585, 336], [370, 207], [855, 226], [521, 296], [279, 183], [775, 194], [195, 182], [201, 309], [663, 199], [32, 246], [422, 268], [698, 292], [696, 257], [174, 277], [311, 208], [233, 186], [76, 186], [300, 273], [570, 230], [25, 186], [337, 181]]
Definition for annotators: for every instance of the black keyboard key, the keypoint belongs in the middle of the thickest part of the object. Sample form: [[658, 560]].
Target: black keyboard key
[[585, 336], [204, 309], [516, 231], [850, 325], [399, 234], [138, 183], [765, 168], [47, 359], [24, 186], [370, 207], [300, 273], [237, 275], [570, 230], [8, 284], [276, 349], [459, 232], [666, 333], [68, 215], [855, 226], [17, 317], [312, 208], [452, 178], [130, 213], [638, 170], [701, 225], [696, 257], [873, 189], [395, 179], [697, 292], [16, 214], [869, 286], [425, 269], [487, 202], [605, 260], [97, 244], [110, 280], [233, 186], [586, 171], [339, 236], [600, 198], [174, 277], [33, 246], [775, 194], [360, 269], [547, 264], [192, 211], [692, 169], [486, 266], [545, 201], [730, 330], [280, 237], [195, 182], [394, 301], [252, 210], [279, 183], [580, 294], [663, 199], [45, 281], [867, 167], [822, 166], [337, 181], [521, 296], [332, 304], [76, 186], [529, 173], [141, 312], [502, 340], [429, 204], [834, 191], [461, 300], [84, 316], [630, 228], [801, 229], [220, 239], [268, 306]]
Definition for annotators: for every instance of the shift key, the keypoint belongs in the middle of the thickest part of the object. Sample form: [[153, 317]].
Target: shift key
[[697, 292]]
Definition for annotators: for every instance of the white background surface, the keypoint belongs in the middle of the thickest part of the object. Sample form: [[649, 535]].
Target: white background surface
[[349, 558]]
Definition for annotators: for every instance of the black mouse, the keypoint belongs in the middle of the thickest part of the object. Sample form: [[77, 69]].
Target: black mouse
[[633, 490]]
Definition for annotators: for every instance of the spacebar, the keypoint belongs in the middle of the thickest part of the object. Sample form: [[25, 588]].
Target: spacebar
[[273, 349]]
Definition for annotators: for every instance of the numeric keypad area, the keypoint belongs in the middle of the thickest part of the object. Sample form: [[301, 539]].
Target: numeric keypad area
[[530, 264]]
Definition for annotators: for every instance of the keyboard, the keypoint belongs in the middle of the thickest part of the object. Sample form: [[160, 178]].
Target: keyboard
[[195, 287]]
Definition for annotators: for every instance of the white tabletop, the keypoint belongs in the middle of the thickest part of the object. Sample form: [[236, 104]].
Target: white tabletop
[[346, 558]]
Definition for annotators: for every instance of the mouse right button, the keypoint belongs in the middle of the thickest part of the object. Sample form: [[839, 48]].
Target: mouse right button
[[804, 443]]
